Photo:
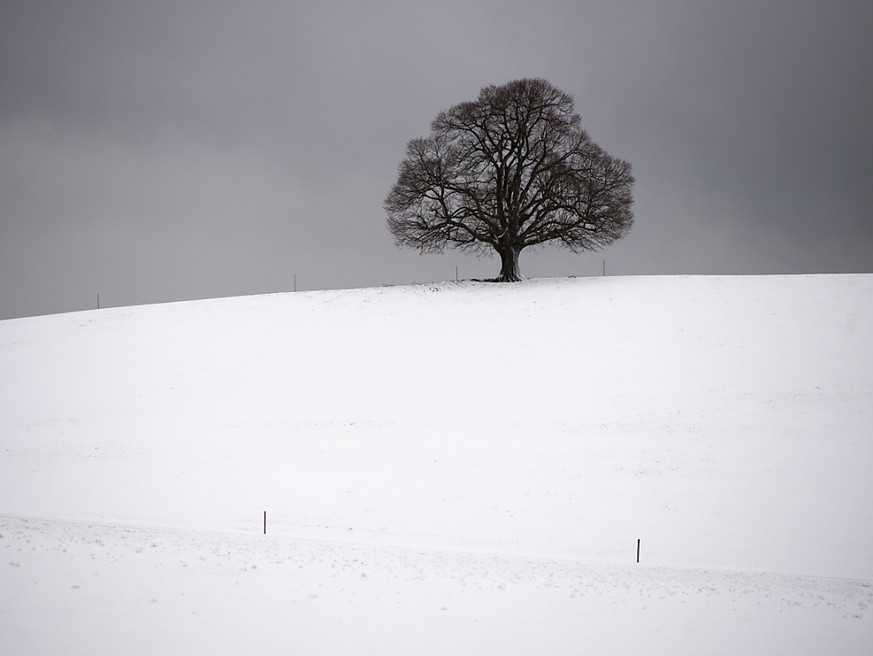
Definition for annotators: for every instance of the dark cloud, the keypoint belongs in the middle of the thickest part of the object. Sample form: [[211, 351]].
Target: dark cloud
[[163, 150]]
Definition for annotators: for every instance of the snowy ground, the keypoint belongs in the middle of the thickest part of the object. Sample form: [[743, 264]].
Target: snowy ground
[[448, 469]]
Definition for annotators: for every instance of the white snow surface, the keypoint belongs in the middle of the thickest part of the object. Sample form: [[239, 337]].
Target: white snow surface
[[454, 468]]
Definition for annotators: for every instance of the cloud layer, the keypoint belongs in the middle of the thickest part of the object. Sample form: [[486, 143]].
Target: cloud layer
[[161, 151]]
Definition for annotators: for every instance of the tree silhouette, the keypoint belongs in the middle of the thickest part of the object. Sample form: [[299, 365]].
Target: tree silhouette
[[510, 170]]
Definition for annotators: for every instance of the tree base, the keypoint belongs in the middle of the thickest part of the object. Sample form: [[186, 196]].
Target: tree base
[[498, 279], [509, 265]]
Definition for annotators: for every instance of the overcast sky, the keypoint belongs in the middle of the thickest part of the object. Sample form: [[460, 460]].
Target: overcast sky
[[158, 151]]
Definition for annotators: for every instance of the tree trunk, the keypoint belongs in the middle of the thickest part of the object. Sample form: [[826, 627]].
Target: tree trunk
[[509, 265]]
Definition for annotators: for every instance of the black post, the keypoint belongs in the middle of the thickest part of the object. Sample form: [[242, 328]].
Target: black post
[[265, 524], [638, 549]]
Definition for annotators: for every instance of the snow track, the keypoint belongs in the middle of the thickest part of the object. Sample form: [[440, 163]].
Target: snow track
[[284, 593]]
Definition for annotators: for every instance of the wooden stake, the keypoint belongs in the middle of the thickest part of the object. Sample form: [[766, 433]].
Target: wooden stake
[[265, 524], [638, 550]]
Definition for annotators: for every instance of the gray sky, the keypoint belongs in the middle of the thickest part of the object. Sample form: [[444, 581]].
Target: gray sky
[[159, 151]]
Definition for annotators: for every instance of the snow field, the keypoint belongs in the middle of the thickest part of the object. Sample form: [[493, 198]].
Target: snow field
[[448, 468], [226, 592]]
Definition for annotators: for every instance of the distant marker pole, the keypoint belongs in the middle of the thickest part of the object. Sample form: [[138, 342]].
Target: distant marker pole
[[265, 524], [638, 548]]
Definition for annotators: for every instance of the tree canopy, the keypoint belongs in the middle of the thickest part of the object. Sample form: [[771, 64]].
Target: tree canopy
[[510, 170]]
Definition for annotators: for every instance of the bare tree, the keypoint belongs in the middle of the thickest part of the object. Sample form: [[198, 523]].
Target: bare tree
[[512, 169]]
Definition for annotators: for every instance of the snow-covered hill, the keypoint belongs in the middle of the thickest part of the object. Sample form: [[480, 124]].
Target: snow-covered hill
[[448, 468]]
